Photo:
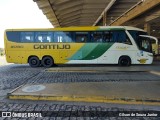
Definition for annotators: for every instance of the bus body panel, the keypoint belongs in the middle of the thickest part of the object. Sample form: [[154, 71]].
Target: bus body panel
[[111, 56], [77, 53]]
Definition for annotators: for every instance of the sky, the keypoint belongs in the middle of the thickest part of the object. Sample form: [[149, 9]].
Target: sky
[[20, 14]]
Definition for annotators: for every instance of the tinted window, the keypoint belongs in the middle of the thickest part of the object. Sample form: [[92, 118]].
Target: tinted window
[[97, 36], [119, 36], [63, 37], [145, 44], [45, 37], [27, 37], [82, 36], [135, 35], [13, 36], [106, 36]]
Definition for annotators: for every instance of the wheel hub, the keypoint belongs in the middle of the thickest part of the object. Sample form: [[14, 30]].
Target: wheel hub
[[34, 62]]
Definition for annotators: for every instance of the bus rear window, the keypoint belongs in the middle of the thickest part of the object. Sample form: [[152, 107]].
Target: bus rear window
[[13, 36]]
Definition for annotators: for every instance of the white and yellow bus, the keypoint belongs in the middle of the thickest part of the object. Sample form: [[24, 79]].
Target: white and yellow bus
[[121, 45]]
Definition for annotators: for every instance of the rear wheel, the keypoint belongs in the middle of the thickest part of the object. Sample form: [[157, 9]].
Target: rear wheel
[[34, 62], [47, 62], [124, 61]]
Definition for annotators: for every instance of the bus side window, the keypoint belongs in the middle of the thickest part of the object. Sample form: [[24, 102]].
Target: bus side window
[[58, 36], [46, 38], [120, 37], [49, 36], [39, 38], [62, 37], [27, 37], [114, 36], [43, 37], [67, 37], [97, 36], [106, 36], [82, 36]]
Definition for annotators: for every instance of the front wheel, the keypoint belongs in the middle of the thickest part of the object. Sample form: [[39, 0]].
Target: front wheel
[[47, 62], [34, 62], [124, 61]]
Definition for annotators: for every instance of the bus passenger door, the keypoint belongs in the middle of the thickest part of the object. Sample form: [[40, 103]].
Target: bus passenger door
[[145, 55]]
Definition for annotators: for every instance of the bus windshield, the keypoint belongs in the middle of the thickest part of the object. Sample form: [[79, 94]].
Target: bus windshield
[[135, 34], [145, 43], [153, 41]]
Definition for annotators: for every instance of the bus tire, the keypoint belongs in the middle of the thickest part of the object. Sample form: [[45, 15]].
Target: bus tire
[[47, 62], [34, 62], [124, 61]]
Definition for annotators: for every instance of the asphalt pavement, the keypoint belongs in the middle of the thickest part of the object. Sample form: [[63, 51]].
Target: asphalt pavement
[[14, 75]]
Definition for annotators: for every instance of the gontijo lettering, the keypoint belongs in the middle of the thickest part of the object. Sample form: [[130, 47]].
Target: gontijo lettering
[[52, 46]]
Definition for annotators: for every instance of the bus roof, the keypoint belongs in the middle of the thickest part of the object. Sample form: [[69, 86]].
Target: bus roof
[[86, 28]]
